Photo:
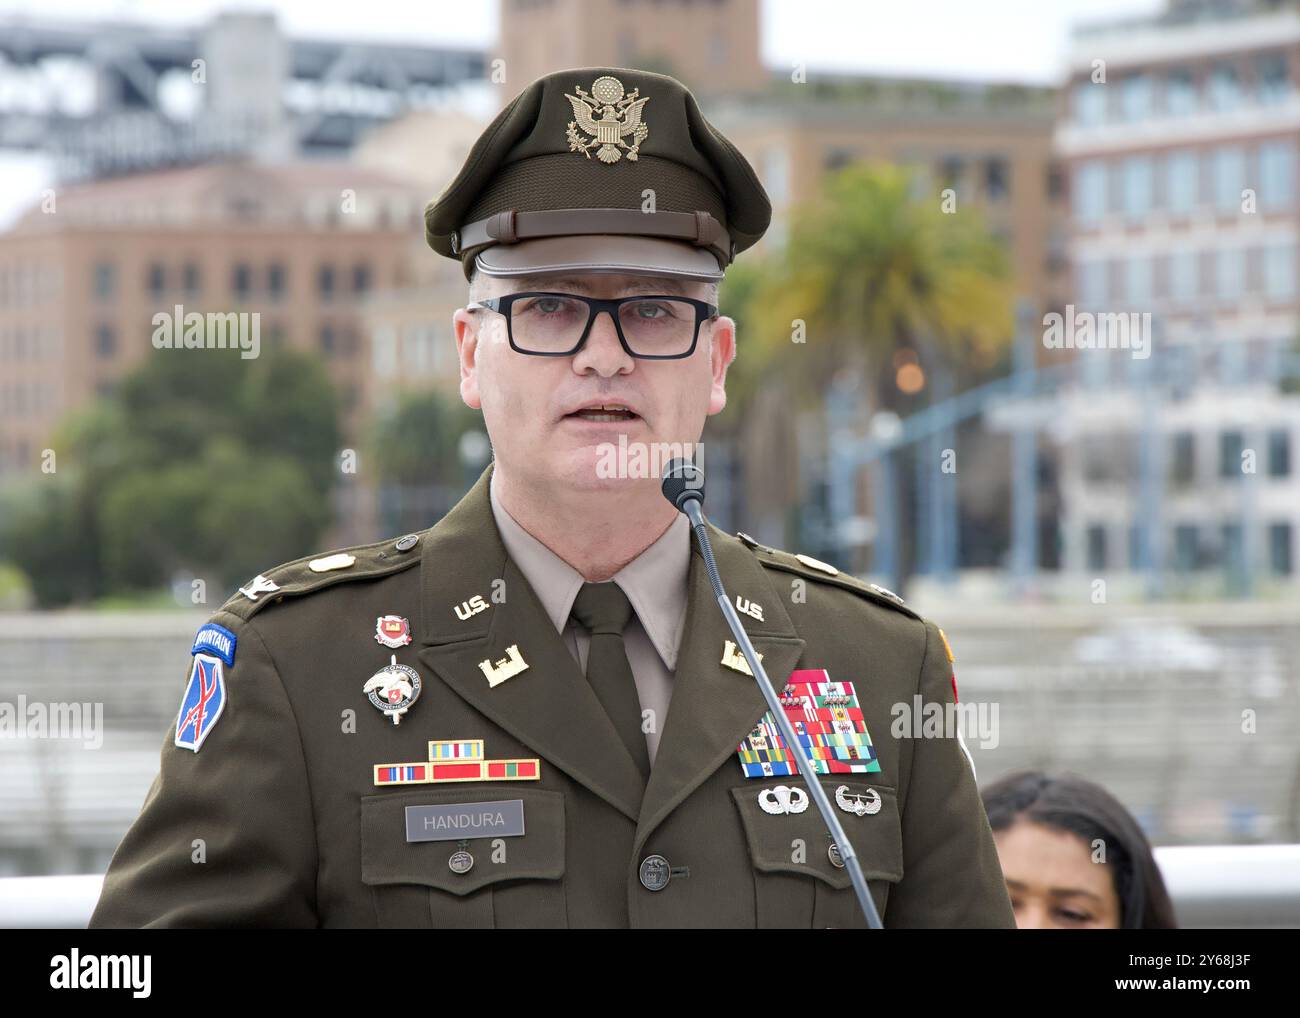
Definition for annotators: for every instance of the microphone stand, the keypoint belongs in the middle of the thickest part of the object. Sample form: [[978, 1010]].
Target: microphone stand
[[689, 502]]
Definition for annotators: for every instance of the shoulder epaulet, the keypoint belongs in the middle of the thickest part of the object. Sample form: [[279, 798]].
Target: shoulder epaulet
[[824, 572], [316, 572]]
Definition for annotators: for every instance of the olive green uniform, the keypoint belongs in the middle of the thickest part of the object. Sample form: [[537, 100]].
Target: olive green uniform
[[276, 820]]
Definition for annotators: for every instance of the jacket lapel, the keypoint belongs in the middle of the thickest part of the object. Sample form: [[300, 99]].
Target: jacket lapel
[[549, 706], [714, 707]]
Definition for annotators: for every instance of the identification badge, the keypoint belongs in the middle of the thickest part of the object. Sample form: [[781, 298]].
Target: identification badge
[[462, 820], [828, 723]]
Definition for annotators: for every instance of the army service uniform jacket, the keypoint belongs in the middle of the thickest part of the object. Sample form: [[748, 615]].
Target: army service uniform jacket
[[277, 818]]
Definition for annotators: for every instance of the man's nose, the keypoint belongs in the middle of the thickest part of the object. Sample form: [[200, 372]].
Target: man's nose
[[602, 352]]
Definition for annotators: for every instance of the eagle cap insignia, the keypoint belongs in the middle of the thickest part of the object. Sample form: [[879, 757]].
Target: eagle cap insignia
[[608, 115]]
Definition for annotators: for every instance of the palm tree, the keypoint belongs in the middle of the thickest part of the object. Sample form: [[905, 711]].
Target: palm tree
[[879, 279]]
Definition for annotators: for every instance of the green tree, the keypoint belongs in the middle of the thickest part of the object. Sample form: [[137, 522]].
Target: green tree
[[200, 462]]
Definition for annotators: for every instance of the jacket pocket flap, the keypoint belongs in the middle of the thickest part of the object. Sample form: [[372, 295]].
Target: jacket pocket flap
[[387, 857], [798, 842]]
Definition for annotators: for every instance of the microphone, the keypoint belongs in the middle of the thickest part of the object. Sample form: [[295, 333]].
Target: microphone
[[683, 486]]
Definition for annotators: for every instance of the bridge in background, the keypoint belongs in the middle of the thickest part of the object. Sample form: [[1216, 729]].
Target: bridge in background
[[111, 96]]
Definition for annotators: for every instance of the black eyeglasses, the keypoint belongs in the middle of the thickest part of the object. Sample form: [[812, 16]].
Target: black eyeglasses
[[651, 327]]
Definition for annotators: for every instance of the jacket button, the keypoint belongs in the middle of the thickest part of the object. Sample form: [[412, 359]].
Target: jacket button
[[655, 873], [407, 543]]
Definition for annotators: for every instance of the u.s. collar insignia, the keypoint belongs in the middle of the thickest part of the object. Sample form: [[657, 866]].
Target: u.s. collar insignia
[[392, 631], [607, 115], [393, 689]]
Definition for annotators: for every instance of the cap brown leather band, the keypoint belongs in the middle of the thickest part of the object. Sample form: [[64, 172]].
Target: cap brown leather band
[[509, 227]]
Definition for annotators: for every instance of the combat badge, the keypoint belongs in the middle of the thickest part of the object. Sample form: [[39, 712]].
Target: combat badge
[[392, 631], [203, 702], [859, 805], [827, 721], [393, 689]]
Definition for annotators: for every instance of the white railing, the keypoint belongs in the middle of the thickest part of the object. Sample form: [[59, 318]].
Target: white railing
[[1221, 886]]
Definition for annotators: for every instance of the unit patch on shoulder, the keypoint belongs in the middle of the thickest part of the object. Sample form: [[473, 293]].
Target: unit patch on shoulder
[[203, 702]]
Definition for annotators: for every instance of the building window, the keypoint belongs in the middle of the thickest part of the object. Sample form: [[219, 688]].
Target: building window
[[837, 159], [1229, 272], [1089, 103], [1279, 453], [1180, 93], [1182, 275], [157, 282], [1135, 176], [191, 280], [105, 341], [1096, 547], [1135, 97], [1277, 175], [1231, 446], [951, 169], [1279, 271], [1274, 80], [1186, 547], [1182, 183], [105, 280], [1182, 460], [997, 178], [241, 281], [360, 277], [1234, 548], [275, 280], [1225, 88], [327, 339], [325, 281], [1229, 178], [1092, 283], [1279, 548], [1139, 280], [1090, 191]]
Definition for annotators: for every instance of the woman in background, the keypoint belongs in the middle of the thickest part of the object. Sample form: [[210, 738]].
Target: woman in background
[[1073, 856]]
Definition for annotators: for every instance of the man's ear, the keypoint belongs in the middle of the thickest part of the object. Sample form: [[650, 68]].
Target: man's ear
[[464, 326], [722, 351]]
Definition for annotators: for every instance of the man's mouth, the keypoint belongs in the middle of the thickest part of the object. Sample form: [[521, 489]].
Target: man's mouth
[[605, 413]]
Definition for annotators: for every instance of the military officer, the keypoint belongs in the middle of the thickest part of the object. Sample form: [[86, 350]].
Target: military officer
[[532, 713]]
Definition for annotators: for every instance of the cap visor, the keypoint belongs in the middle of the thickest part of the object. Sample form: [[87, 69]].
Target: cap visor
[[635, 256]]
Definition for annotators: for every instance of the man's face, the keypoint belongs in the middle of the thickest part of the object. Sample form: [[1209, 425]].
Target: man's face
[[530, 403]]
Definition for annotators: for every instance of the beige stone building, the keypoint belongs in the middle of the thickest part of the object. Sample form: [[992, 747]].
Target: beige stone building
[[712, 45], [83, 274]]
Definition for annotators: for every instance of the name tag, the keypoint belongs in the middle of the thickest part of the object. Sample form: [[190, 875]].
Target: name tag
[[504, 819]]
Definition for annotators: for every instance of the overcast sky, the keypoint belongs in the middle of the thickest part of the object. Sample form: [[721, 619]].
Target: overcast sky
[[1006, 40]]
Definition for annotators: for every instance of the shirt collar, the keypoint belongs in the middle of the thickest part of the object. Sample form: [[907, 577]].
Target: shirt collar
[[654, 581]]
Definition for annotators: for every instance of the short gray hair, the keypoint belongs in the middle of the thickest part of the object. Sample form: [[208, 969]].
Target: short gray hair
[[478, 287]]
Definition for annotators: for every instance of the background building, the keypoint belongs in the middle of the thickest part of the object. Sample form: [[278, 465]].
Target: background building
[[1184, 205]]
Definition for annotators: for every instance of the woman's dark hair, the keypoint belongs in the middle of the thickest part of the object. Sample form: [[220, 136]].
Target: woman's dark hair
[[1072, 804]]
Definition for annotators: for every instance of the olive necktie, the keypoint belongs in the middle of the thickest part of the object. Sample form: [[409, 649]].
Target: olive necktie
[[604, 609]]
